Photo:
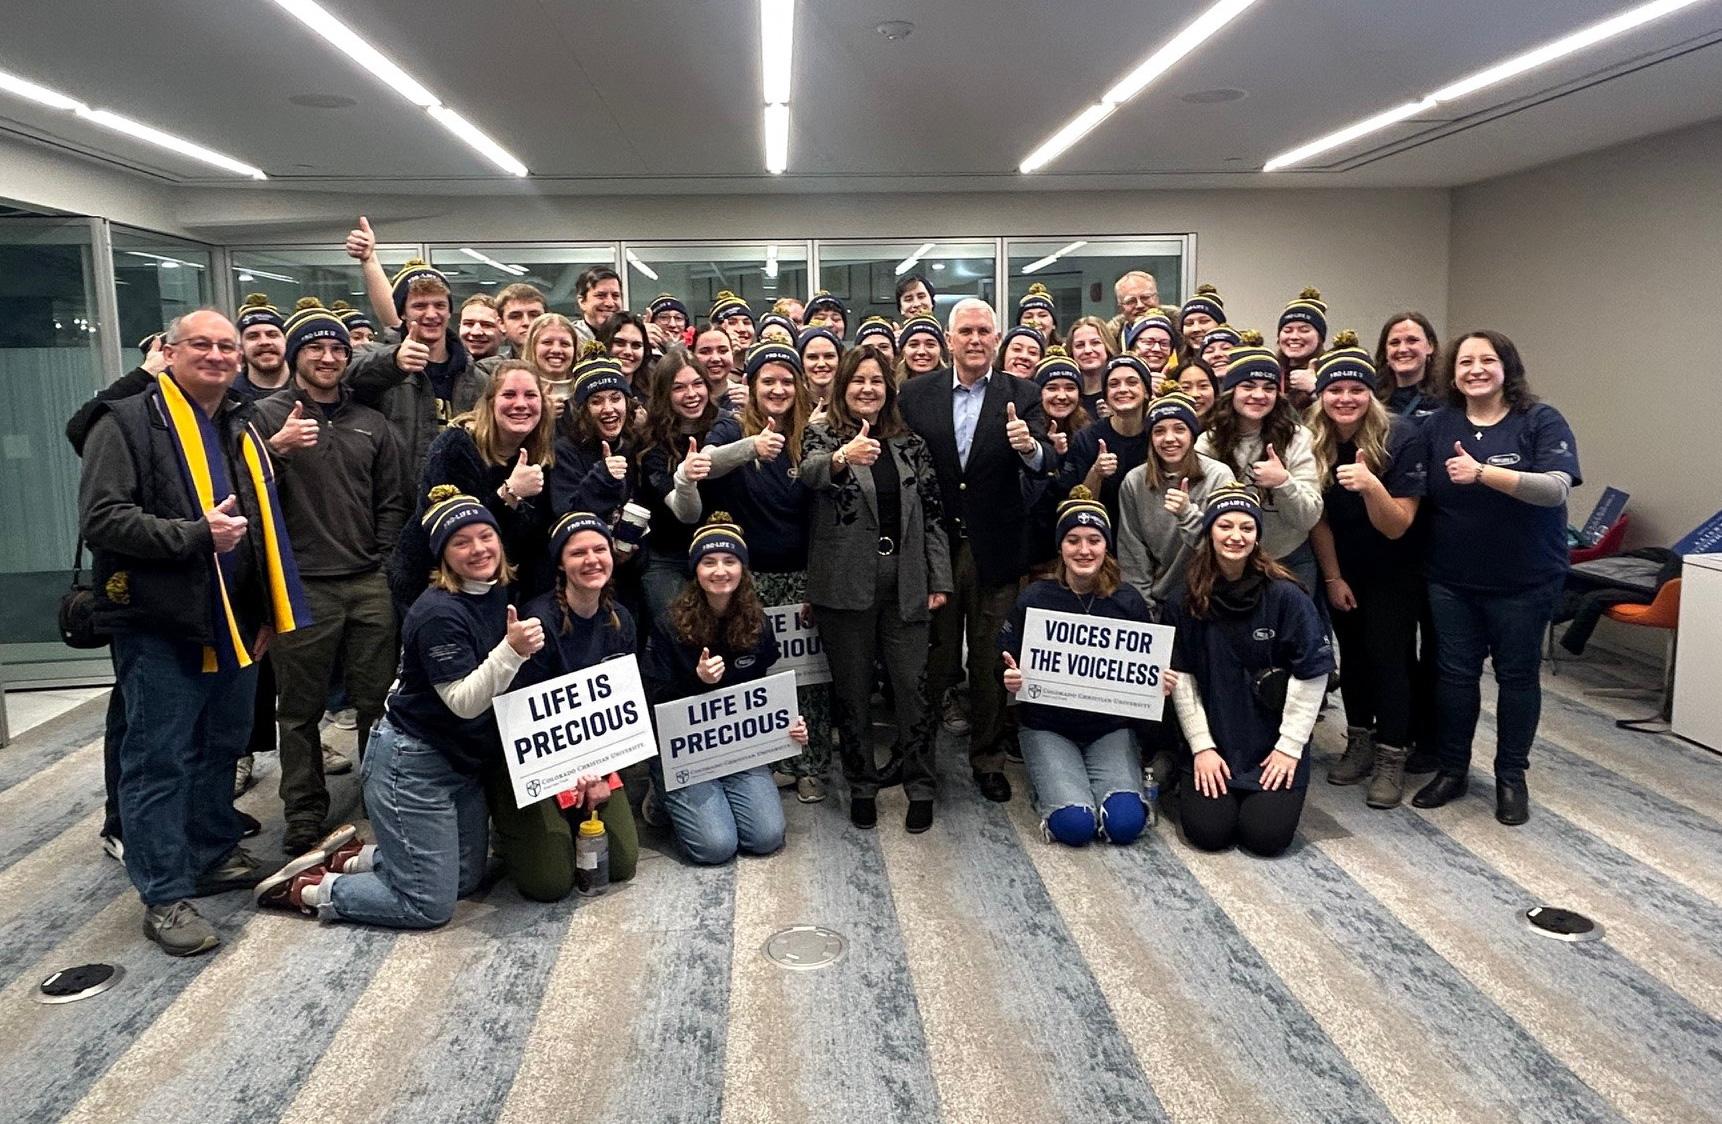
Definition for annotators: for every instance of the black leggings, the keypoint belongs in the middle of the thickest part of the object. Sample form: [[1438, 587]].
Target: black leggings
[[1378, 654], [1260, 822]]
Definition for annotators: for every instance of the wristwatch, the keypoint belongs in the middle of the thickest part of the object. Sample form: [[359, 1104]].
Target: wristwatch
[[839, 459]]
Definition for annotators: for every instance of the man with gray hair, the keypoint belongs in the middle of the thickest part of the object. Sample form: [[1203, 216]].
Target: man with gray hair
[[1136, 294], [986, 432]]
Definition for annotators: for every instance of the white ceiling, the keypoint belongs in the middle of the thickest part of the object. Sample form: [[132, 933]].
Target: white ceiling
[[663, 95]]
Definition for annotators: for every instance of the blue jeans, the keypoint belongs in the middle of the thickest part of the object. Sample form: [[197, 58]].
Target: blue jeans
[[183, 732], [661, 578], [715, 819], [1086, 791], [1508, 628], [433, 834]]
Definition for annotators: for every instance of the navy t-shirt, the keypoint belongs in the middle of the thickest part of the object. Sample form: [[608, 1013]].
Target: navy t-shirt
[[768, 502], [1361, 548], [1085, 450], [1080, 726], [586, 641], [1486, 540], [445, 637], [1225, 650]]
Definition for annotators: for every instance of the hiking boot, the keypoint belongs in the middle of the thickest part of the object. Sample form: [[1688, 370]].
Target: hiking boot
[[809, 790], [1387, 783], [335, 763], [179, 929], [955, 718], [1357, 761], [237, 870], [863, 811]]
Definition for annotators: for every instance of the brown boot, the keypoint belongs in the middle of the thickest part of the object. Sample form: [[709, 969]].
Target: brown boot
[[1358, 759], [1387, 783]]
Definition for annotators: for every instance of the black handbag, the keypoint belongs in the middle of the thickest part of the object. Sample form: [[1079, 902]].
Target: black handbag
[[1267, 684], [78, 609]]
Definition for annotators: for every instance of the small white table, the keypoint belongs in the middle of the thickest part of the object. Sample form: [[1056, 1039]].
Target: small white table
[[1698, 664]]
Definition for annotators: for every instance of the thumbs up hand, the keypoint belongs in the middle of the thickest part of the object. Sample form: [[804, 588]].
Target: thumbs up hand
[[1302, 379], [1270, 471], [737, 394], [525, 479], [769, 443], [524, 636], [297, 432], [1356, 476], [709, 667], [1012, 673], [1060, 441], [1017, 431], [616, 466], [1462, 467], [412, 356], [697, 465], [361, 241], [863, 448], [1177, 499], [1107, 462], [226, 525]]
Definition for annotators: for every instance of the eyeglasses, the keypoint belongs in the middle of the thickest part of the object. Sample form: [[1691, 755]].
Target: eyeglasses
[[200, 343]]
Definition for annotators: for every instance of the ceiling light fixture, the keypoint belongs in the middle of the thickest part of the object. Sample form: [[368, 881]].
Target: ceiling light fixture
[[513, 270], [314, 16], [1037, 266], [1529, 60], [776, 61], [1199, 31], [164, 259], [908, 263], [137, 130], [641, 266]]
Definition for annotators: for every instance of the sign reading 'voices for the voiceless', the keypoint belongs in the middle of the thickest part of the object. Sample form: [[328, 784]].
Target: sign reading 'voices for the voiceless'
[[1094, 663], [594, 720]]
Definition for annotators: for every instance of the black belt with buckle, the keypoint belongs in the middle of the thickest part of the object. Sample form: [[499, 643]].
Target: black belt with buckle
[[887, 546]]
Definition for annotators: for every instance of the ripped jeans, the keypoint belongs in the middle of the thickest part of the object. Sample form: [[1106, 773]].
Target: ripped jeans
[[1084, 792]]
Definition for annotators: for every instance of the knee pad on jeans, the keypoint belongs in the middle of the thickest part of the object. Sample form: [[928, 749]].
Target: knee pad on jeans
[[1072, 825], [1123, 815]]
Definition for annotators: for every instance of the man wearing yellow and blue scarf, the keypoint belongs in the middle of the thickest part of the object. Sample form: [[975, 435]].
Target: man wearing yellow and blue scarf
[[194, 576]]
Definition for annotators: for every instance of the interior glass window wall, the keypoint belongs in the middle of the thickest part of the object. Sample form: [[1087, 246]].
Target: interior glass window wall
[[552, 269], [51, 312], [757, 272], [155, 280], [286, 273], [865, 274], [1079, 273]]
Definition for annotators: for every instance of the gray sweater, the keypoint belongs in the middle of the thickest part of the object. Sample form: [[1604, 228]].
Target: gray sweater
[[1290, 510], [1154, 545]]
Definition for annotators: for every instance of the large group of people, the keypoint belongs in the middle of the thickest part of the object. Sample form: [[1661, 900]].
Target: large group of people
[[411, 510]]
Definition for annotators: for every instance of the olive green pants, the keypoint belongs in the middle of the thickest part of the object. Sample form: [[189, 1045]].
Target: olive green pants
[[536, 843]]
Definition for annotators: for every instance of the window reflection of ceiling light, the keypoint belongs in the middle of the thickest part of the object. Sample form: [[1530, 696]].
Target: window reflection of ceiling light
[[250, 269], [1036, 266], [641, 266], [166, 262], [512, 270], [910, 262]]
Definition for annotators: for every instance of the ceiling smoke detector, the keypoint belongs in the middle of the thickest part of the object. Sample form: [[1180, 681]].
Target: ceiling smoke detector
[[1213, 97], [895, 30]]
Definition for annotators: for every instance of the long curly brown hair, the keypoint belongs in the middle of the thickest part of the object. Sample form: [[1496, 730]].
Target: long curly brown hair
[[1204, 571], [739, 627], [1225, 428], [664, 427]]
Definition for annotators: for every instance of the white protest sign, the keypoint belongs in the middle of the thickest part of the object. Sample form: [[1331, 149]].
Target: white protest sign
[[799, 649], [595, 720], [1094, 664], [726, 730]]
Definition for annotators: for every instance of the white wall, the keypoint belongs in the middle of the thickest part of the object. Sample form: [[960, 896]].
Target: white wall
[[1370, 251], [41, 177], [1604, 269]]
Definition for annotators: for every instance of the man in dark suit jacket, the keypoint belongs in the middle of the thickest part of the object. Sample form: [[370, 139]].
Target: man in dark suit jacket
[[986, 432]]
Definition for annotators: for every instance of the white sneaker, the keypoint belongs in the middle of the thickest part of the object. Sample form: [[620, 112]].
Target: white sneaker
[[115, 848], [347, 719], [335, 763]]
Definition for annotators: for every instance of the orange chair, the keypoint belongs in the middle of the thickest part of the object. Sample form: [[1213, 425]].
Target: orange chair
[[1663, 612]]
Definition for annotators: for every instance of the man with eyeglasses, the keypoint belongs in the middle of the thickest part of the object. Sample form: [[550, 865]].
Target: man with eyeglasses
[[343, 500], [172, 501], [1135, 294]]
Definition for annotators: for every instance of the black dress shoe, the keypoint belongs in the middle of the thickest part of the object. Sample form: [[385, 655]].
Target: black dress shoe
[[920, 816], [1446, 787], [863, 811], [1512, 802], [994, 786], [248, 825]]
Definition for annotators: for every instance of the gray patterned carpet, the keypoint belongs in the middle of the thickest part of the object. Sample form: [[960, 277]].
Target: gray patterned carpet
[[1380, 971]]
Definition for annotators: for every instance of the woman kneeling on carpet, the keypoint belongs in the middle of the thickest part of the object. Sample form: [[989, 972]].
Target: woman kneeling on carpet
[[713, 635], [1086, 767], [461, 645], [1244, 623], [583, 625]]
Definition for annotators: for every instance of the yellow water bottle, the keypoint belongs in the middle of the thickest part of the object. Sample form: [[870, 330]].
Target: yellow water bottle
[[591, 856]]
